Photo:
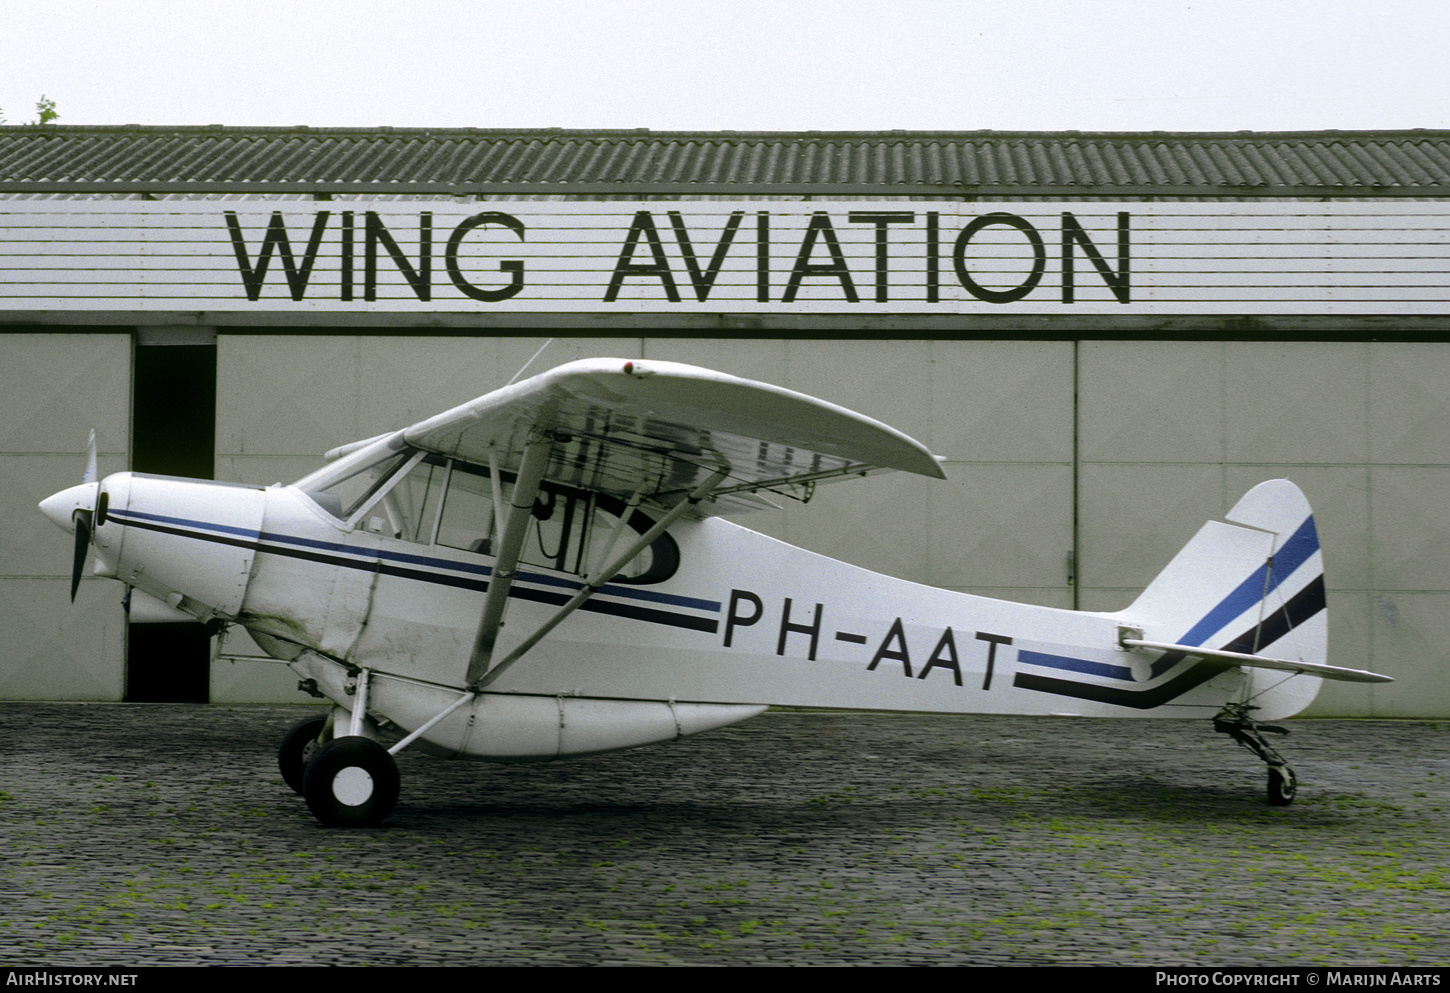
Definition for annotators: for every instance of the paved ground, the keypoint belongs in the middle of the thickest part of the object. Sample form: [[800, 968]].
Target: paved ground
[[157, 834]]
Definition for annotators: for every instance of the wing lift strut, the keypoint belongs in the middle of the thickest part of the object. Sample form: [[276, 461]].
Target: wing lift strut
[[352, 780], [481, 672]]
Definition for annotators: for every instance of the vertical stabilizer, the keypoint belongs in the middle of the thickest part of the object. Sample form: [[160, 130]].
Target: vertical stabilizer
[[1253, 586]]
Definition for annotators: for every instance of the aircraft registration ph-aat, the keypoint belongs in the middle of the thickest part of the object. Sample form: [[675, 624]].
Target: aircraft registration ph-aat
[[585, 507]]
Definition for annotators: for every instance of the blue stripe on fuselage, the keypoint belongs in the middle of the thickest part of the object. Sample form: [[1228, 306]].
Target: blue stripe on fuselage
[[366, 559], [1074, 665]]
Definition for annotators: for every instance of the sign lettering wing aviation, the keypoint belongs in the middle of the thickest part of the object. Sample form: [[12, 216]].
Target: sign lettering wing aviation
[[547, 572]]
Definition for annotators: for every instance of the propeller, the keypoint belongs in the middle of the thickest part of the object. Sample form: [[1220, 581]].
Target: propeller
[[80, 509], [83, 544], [91, 475]]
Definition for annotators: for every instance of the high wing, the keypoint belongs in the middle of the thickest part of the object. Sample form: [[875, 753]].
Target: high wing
[[684, 439], [659, 429]]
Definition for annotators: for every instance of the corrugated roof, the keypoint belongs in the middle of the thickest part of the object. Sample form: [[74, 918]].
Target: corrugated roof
[[76, 159]]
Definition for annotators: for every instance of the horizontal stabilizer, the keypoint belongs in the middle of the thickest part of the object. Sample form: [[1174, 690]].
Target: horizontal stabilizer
[[1263, 662]]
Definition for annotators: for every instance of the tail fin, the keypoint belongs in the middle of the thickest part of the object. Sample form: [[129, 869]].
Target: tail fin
[[1254, 586]]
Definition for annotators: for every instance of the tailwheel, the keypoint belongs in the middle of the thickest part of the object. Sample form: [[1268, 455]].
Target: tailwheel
[[1235, 722], [1282, 785], [351, 782], [297, 747]]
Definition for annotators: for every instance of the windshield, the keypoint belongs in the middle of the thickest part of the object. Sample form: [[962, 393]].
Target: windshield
[[345, 486]]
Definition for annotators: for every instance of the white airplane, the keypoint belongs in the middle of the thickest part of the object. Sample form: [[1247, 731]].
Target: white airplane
[[545, 572]]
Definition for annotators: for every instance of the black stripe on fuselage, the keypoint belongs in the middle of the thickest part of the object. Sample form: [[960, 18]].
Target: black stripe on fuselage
[[649, 615], [1302, 606]]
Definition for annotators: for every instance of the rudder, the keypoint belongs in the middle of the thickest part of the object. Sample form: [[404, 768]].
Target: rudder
[[1254, 586]]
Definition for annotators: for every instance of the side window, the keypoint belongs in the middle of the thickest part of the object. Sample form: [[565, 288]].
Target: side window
[[558, 534], [570, 530], [610, 531], [467, 520]]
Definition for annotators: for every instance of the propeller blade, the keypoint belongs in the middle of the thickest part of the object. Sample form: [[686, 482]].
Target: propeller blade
[[83, 543], [91, 472]]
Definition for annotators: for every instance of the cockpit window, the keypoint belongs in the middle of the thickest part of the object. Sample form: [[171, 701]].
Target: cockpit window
[[409, 507], [468, 510], [429, 499], [570, 530]]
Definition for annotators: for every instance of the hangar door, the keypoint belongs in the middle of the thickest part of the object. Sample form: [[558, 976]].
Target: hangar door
[[55, 386]]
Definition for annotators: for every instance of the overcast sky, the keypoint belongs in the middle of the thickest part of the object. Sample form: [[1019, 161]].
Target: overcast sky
[[1086, 65]]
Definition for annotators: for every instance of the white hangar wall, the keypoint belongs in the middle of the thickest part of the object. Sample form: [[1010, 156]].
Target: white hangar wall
[[423, 263], [1075, 469]]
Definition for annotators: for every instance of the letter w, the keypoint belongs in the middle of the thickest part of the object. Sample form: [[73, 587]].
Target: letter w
[[276, 239]]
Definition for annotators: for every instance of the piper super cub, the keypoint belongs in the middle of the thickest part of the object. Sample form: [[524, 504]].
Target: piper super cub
[[547, 572]]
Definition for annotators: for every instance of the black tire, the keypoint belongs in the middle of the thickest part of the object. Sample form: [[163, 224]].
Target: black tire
[[351, 782], [296, 748], [1282, 785]]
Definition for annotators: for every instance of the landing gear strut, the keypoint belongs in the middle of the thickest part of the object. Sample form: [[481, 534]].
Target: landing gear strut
[[1235, 722]]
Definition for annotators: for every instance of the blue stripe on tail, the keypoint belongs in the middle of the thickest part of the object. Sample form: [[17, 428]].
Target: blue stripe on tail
[[1302, 544]]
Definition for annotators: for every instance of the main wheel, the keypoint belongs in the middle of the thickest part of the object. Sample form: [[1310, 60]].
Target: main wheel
[[351, 782], [297, 747], [1282, 785]]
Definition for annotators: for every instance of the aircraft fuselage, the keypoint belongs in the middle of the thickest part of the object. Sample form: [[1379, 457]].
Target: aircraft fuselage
[[743, 621]]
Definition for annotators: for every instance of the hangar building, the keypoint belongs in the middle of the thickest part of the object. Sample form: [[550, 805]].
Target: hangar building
[[1109, 337]]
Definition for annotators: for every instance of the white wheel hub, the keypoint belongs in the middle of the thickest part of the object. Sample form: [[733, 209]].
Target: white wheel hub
[[352, 786]]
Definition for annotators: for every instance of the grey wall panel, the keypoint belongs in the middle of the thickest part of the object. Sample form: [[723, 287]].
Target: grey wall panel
[[286, 395], [1000, 525], [1296, 402], [1410, 637], [888, 380], [1410, 527], [1002, 401], [1151, 401], [1409, 403], [54, 388], [58, 650]]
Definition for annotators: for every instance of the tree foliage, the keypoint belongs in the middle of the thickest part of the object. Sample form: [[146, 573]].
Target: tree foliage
[[45, 111]]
